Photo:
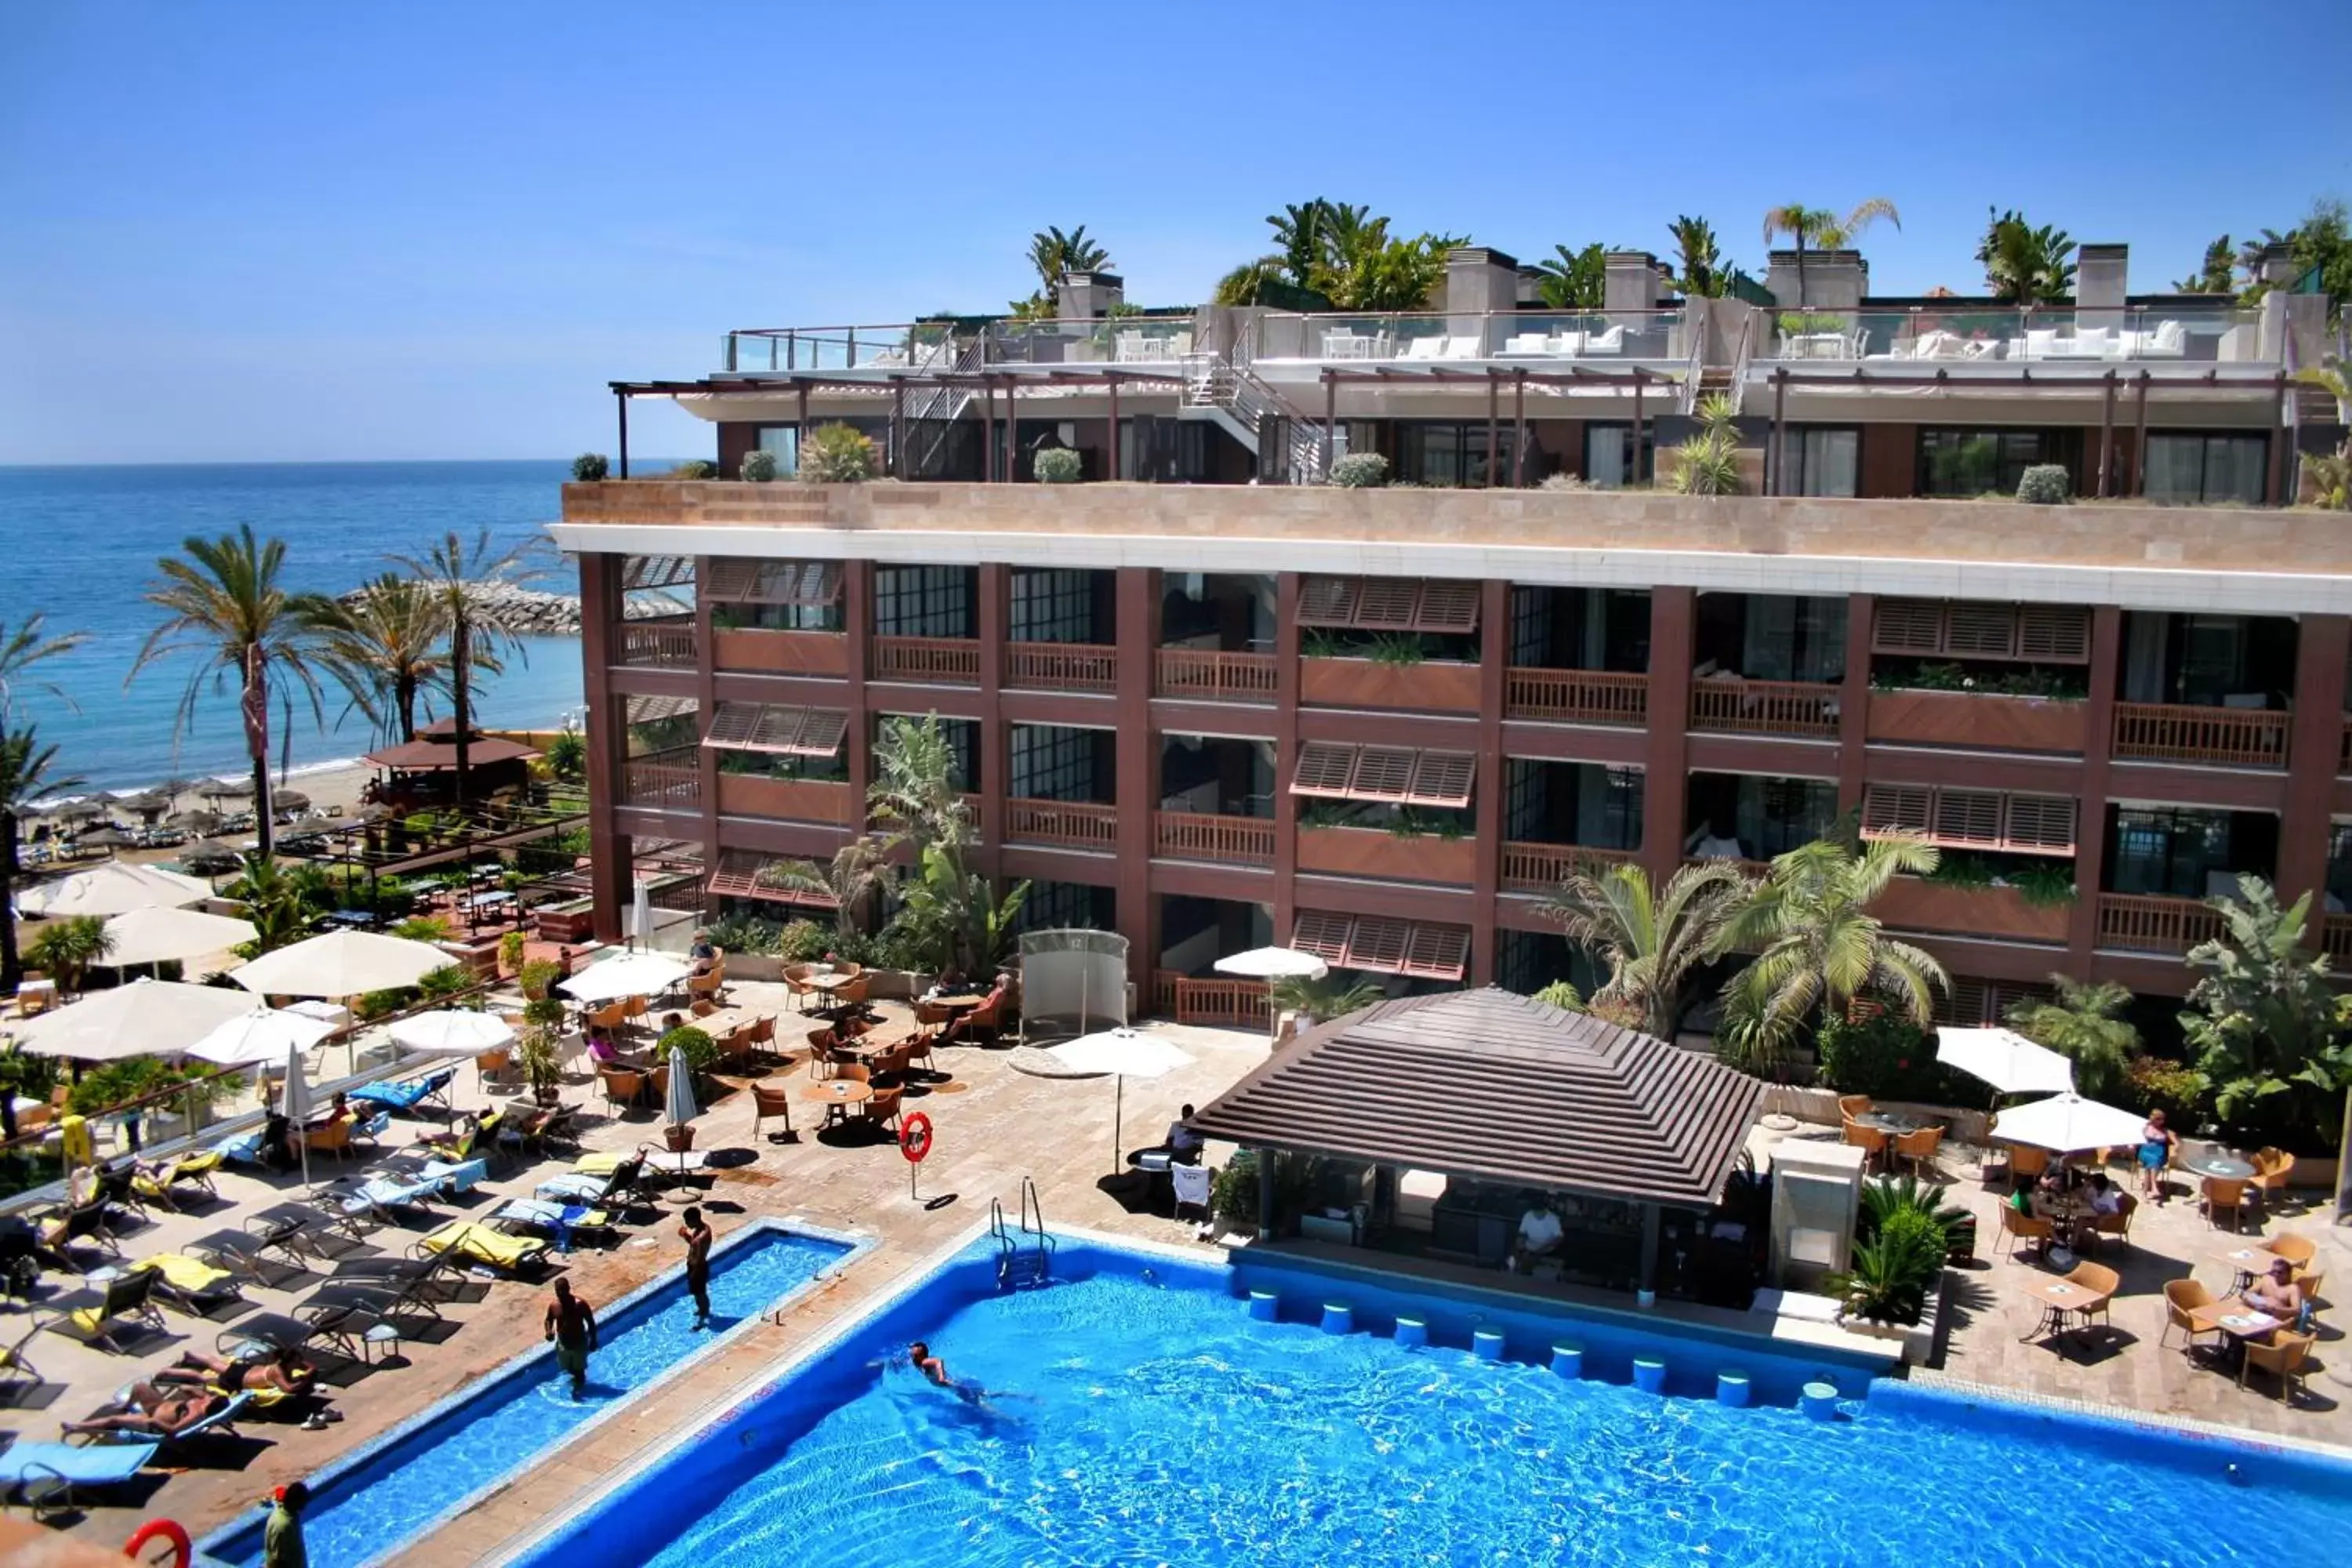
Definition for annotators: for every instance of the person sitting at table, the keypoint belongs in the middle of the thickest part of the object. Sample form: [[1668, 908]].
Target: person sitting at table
[[1540, 1237], [704, 955], [1183, 1143], [2155, 1146], [2276, 1292], [277, 1150]]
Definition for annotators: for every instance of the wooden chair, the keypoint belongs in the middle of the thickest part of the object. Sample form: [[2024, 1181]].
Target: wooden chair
[[985, 1021], [1869, 1140], [767, 1102], [2016, 1227], [2119, 1223], [2181, 1298], [2282, 1356], [1852, 1105], [796, 983], [2101, 1281], [2218, 1197], [892, 1064], [821, 1043], [2298, 1250], [2310, 1278], [1919, 1148], [622, 1085], [918, 1049], [702, 1007]]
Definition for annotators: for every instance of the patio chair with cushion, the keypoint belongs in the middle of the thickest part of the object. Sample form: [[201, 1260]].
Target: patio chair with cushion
[[176, 1181], [2016, 1227], [329, 1138], [408, 1094], [606, 1190], [622, 1085], [984, 1022], [96, 1316], [2217, 1197], [2282, 1356], [471, 1242], [2181, 1298], [2026, 1162], [243, 1251], [881, 1112], [560, 1221], [1852, 1105], [14, 1362], [796, 984]]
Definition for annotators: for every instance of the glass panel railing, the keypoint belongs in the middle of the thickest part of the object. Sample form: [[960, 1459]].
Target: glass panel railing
[[1116, 340], [1517, 337], [926, 345], [1965, 332]]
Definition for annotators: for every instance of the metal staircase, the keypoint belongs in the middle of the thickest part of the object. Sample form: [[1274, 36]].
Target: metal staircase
[[1025, 1250], [1225, 391], [932, 418]]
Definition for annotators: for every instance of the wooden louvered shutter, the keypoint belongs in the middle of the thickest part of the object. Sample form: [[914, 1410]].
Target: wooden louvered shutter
[[730, 581], [1324, 770], [821, 733], [2041, 822], [1967, 817], [1447, 606], [1443, 778], [1378, 944], [2054, 634], [1437, 951], [1382, 772], [1898, 808], [1909, 625], [1388, 603], [1981, 631], [1322, 933], [1328, 601]]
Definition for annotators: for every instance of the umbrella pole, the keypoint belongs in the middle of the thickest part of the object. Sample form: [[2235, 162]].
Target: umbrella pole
[[1118, 1115]]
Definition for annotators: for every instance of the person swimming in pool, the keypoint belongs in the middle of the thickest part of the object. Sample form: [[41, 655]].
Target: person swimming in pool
[[919, 1357]]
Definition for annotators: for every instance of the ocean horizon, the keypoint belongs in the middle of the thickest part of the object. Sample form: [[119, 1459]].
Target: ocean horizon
[[83, 541]]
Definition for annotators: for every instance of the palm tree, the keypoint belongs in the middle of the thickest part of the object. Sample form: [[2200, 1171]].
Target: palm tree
[[25, 777], [1817, 948], [1322, 1000], [1301, 230], [68, 947], [274, 903], [1654, 945], [1056, 255], [456, 573], [1824, 230], [384, 646], [1576, 279], [2081, 1025], [1702, 275], [1245, 284], [2213, 274], [26, 647], [225, 604], [2024, 265], [858, 880]]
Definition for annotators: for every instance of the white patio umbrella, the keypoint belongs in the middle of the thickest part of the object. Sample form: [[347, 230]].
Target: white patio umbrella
[[260, 1035], [1124, 1054], [641, 915], [2005, 1059], [294, 1104], [678, 1109], [2068, 1122], [160, 934], [452, 1032], [342, 963], [632, 975], [1274, 964], [113, 889], [144, 1018]]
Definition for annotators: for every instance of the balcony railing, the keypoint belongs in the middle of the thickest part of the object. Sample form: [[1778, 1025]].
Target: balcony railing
[[1215, 675], [1061, 666], [921, 345], [1939, 338], [1076, 824], [665, 781], [1541, 867], [1201, 836], [2147, 923], [1765, 707], [667, 642], [936, 661], [1216, 1003], [1578, 696], [2224, 737]]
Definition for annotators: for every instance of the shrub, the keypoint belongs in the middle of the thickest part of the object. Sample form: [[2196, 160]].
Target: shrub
[[2159, 1083], [695, 468], [1057, 466], [589, 467], [383, 1004], [701, 1050], [759, 467], [1560, 993], [510, 952], [2043, 886], [802, 942], [1564, 482], [1708, 465], [446, 980], [1361, 471], [1886, 1056], [1232, 1192], [544, 1011], [838, 455], [538, 978], [422, 928], [2045, 484], [1893, 1272]]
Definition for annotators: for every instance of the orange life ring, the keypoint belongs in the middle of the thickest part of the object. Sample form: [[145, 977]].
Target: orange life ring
[[915, 1138], [161, 1529]]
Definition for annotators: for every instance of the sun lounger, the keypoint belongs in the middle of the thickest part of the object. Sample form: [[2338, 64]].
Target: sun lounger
[[95, 1318], [242, 1149], [263, 1334], [380, 1198], [239, 1403], [469, 1241], [598, 1191], [242, 1251], [331, 1302], [191, 1284], [163, 1183], [50, 1475], [560, 1221], [409, 1093]]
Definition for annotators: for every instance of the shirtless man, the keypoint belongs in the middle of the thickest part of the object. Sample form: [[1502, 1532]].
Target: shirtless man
[[2276, 1292], [571, 1324], [167, 1415], [696, 1234], [919, 1357], [285, 1371]]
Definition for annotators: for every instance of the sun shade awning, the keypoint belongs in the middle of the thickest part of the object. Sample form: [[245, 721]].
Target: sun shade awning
[[777, 878], [1389, 604], [656, 571], [1971, 819], [1379, 944], [1329, 769], [804, 582], [782, 731]]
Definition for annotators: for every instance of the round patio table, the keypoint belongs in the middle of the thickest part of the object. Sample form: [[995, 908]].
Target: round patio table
[[837, 1091], [961, 1000], [2220, 1167], [1891, 1123]]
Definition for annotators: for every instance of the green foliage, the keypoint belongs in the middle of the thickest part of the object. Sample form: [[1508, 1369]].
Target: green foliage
[[2330, 476], [1361, 471], [1057, 466], [1893, 1273], [1652, 942], [2044, 885], [1056, 255], [1396, 649], [436, 984], [567, 755], [1873, 1051], [952, 918], [2320, 242], [544, 1011], [1249, 283], [1707, 464], [25, 1075], [589, 467], [1798, 323], [1969, 871], [1888, 1197], [1574, 279], [114, 1083], [916, 795], [2213, 274], [1327, 998], [838, 455], [67, 948], [702, 1052], [695, 468], [1943, 675], [2045, 484], [422, 928], [1818, 228], [377, 1004], [1233, 1191], [2024, 265], [538, 1051], [511, 950], [2084, 1024], [1702, 273], [2266, 1030], [2160, 1083], [745, 934], [1561, 994], [758, 466]]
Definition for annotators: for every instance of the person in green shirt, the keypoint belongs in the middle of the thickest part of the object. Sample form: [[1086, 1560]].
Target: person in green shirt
[[281, 1538]]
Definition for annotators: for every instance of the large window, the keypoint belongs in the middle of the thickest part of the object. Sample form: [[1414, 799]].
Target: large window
[[1823, 462], [1971, 462], [1455, 455], [1053, 606], [2189, 469], [1610, 460], [2170, 852], [1052, 762], [924, 601]]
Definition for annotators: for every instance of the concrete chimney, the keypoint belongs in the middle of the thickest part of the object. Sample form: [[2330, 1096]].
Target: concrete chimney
[[1629, 280], [1834, 280], [2102, 278], [1087, 296], [2277, 267], [1479, 279]]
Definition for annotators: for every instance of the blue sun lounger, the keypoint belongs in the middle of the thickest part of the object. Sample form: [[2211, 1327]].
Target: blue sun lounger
[[51, 1474], [408, 1094], [225, 1415]]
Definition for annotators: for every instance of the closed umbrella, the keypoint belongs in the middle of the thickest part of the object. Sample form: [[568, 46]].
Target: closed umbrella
[[2005, 1059], [452, 1032], [144, 1018], [342, 963], [641, 915], [294, 1103], [162, 935], [113, 889], [1124, 1054], [2067, 1123], [632, 975], [678, 1109], [260, 1035], [1274, 964]]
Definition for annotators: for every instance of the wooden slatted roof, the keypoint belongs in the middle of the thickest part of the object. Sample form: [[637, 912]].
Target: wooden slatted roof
[[1491, 1086]]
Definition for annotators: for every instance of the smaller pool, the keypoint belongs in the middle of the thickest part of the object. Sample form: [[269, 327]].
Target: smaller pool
[[384, 1495]]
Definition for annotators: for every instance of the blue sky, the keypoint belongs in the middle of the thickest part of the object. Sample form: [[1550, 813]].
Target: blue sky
[[311, 232]]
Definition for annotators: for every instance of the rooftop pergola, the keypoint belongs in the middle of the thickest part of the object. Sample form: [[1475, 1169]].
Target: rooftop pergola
[[1518, 378]]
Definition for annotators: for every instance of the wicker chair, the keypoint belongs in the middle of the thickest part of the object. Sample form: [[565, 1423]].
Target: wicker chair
[[1869, 1140], [2027, 1162], [2298, 1250], [2181, 1298], [796, 982], [2272, 1169], [1852, 1105], [2217, 1197], [622, 1085], [2283, 1357], [1919, 1147], [2119, 1223], [2016, 1227], [2101, 1281], [882, 1110]]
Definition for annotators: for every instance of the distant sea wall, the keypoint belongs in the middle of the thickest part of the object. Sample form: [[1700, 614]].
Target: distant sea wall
[[536, 612]]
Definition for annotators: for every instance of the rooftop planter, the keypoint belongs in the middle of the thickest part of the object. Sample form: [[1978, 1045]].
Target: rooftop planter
[[1391, 857], [1990, 721], [779, 652], [1912, 903], [1442, 685], [788, 800]]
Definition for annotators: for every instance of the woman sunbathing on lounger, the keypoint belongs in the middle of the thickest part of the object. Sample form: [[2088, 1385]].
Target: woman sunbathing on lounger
[[285, 1371], [167, 1417]]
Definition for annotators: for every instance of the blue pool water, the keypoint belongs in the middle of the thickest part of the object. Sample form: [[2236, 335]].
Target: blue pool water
[[390, 1492], [1145, 1418]]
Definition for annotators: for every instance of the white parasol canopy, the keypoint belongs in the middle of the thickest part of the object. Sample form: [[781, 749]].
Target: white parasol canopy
[[1274, 964], [146, 1017], [2005, 1059], [632, 975], [1125, 1053], [163, 933], [2067, 1123], [113, 889], [260, 1035], [679, 1108], [452, 1032], [342, 963]]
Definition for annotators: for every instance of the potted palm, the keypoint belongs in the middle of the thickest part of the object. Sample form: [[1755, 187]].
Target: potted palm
[[542, 1063]]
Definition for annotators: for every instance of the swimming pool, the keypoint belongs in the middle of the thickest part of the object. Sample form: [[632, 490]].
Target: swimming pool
[[387, 1492], [1145, 1416]]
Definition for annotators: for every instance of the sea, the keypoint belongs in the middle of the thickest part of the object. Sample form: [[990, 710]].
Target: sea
[[81, 545]]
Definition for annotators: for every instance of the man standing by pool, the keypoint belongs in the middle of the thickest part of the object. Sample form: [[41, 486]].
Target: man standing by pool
[[571, 1324], [696, 1236], [281, 1538]]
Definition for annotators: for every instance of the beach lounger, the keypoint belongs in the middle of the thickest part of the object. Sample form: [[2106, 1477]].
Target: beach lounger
[[408, 1094], [560, 1221], [370, 1129], [49, 1476], [331, 1304], [243, 1149], [378, 1198], [14, 1362], [603, 1191], [96, 1317], [221, 1419], [242, 1251], [263, 1334], [191, 1284], [480, 1133], [173, 1182], [471, 1242]]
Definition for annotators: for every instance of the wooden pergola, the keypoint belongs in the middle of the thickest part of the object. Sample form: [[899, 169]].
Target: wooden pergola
[[1518, 378]]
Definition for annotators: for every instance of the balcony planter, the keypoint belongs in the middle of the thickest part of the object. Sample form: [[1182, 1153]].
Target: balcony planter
[[1377, 852], [787, 800], [781, 652], [1442, 685], [1911, 903], [1988, 721]]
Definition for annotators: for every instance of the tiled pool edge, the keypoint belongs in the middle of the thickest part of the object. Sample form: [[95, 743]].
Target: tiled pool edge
[[2156, 1423], [524, 1363]]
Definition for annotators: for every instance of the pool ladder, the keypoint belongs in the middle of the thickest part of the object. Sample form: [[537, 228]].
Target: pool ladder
[[1024, 1251]]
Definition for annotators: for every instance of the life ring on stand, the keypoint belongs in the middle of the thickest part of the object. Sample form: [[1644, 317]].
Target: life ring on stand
[[156, 1529], [915, 1138]]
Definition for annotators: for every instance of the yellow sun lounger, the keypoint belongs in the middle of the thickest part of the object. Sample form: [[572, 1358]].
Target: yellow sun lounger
[[188, 1282], [466, 1240]]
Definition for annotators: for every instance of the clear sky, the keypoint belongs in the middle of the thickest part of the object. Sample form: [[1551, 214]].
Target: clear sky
[[322, 231]]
